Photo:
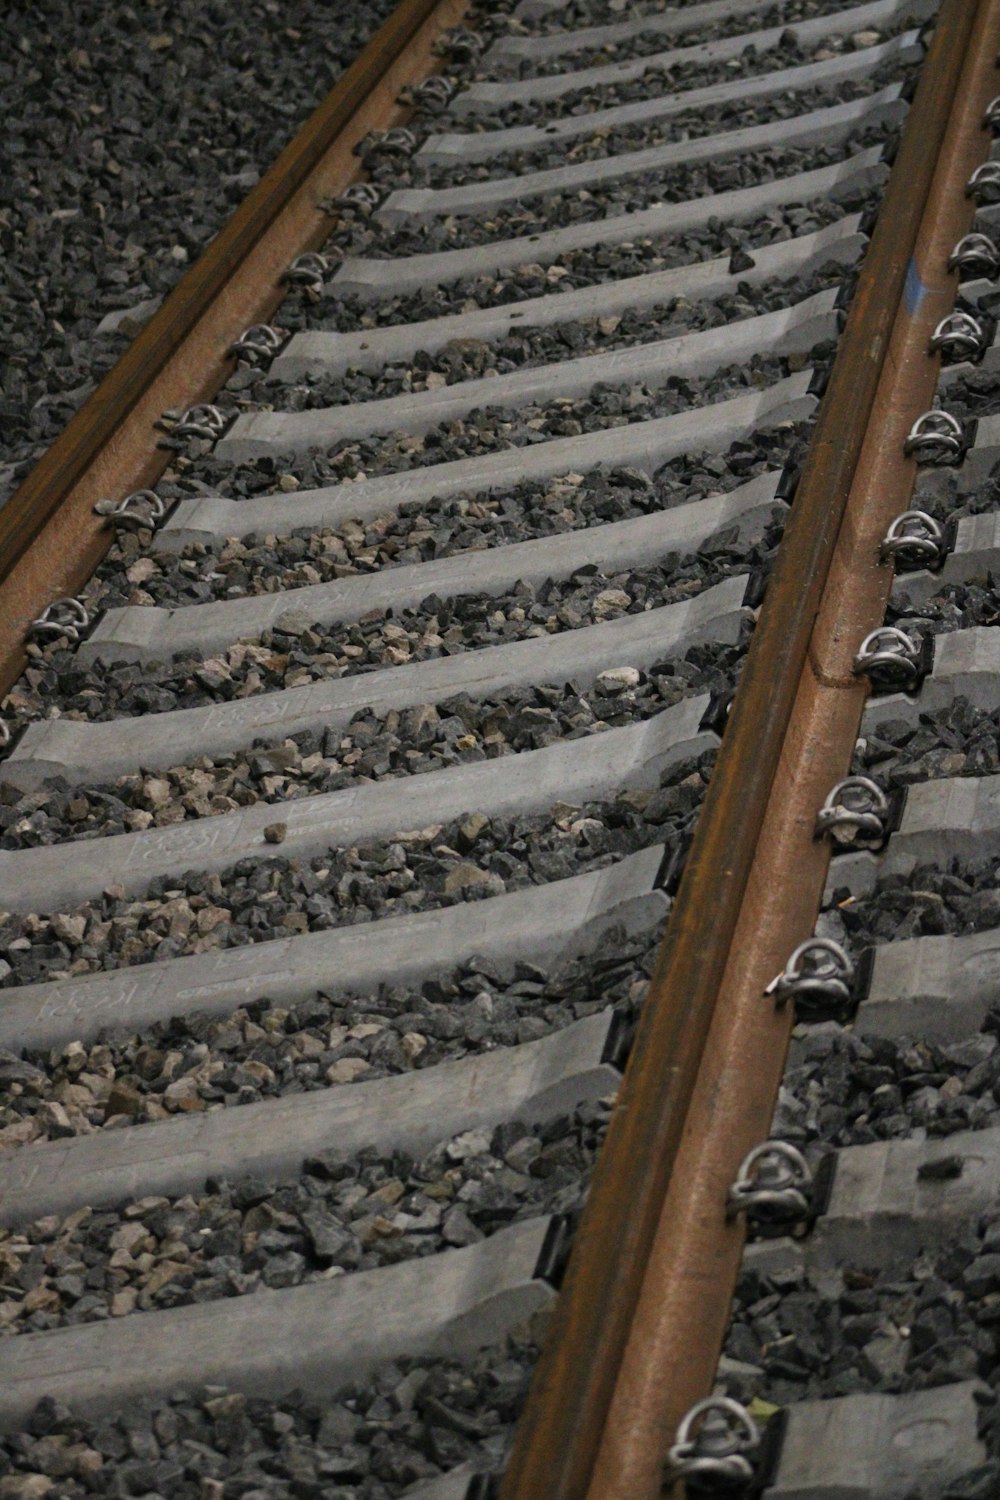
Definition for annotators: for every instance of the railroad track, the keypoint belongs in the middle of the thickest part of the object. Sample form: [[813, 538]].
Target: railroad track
[[419, 710]]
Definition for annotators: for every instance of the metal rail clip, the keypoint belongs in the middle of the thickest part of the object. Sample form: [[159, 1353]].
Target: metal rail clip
[[63, 617], [991, 118], [856, 814], [460, 45], [201, 421], [396, 142], [893, 661], [936, 437], [818, 978], [258, 344], [143, 510], [975, 255], [984, 184], [914, 540], [773, 1188], [959, 336], [309, 270], [432, 95], [715, 1449], [361, 198]]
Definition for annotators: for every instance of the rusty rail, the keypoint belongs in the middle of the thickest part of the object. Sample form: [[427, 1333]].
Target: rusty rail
[[50, 541], [558, 1439]]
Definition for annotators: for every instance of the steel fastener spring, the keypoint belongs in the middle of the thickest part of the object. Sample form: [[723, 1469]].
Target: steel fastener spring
[[433, 94], [936, 437], [855, 813], [984, 184], [716, 1441], [915, 540], [818, 971], [361, 198], [142, 510], [958, 336], [63, 617], [772, 1184], [258, 344], [889, 658], [975, 255], [309, 270], [201, 421]]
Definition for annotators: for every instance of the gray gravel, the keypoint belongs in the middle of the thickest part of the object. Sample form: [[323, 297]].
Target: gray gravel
[[578, 268], [686, 125], [658, 80], [418, 532], [302, 651], [199, 1062], [855, 1330], [471, 858], [375, 746], [468, 359], [625, 195], [341, 1214], [131, 135], [844, 1090], [491, 429], [413, 1420], [641, 44]]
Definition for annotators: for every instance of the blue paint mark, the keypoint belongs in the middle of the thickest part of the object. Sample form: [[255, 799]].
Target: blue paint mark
[[914, 291]]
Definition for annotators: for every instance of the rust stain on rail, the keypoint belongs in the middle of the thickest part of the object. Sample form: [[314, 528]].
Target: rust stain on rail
[[50, 540]]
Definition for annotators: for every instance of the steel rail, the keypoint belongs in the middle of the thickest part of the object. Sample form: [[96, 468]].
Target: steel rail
[[558, 1438], [50, 541], [695, 1260]]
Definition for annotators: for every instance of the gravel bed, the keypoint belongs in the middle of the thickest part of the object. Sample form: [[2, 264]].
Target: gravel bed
[[492, 429], [302, 651], [340, 1214], [688, 476], [200, 1062], [975, 394], [262, 562], [376, 746], [928, 902], [843, 1090], [840, 1333], [648, 43], [580, 13], [960, 740], [526, 347], [629, 194], [255, 900], [606, 142], [957, 606], [586, 267], [787, 53], [129, 143], [412, 1420]]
